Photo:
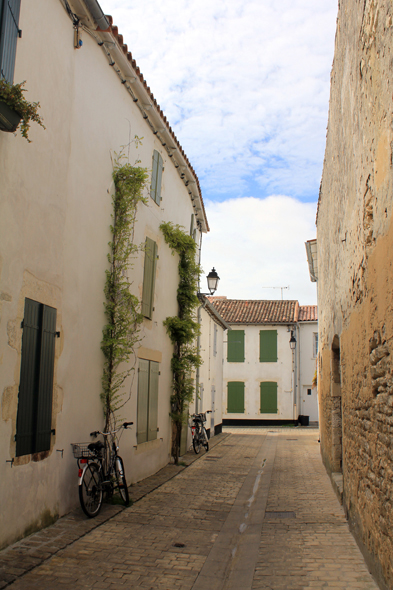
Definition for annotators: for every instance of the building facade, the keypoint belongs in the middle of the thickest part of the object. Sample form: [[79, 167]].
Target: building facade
[[262, 373], [355, 280], [56, 207]]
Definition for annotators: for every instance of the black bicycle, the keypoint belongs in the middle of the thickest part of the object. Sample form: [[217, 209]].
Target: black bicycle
[[101, 470], [198, 431]]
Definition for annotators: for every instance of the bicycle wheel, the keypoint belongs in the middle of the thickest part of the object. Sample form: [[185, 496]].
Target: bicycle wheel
[[196, 442], [205, 440], [121, 480], [90, 490]]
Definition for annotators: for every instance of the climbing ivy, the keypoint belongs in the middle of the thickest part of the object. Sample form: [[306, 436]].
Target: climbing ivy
[[183, 329], [122, 308]]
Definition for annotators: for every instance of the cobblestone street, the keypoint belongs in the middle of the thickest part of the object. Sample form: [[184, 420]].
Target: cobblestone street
[[256, 512]]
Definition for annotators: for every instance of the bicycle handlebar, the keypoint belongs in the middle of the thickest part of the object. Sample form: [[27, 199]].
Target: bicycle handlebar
[[97, 432]]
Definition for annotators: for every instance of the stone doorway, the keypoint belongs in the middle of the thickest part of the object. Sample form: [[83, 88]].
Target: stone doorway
[[337, 431]]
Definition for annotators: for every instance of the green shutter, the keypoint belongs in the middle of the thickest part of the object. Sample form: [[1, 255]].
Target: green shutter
[[235, 397], [29, 378], [235, 346], [143, 401], [268, 346], [149, 275], [45, 389], [34, 418], [153, 401], [268, 397], [192, 225], [9, 32]]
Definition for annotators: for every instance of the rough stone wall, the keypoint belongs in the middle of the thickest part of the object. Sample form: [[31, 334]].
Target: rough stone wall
[[355, 260]]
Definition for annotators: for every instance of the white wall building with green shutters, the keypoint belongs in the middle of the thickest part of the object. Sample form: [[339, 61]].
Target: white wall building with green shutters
[[258, 374], [261, 374], [55, 222]]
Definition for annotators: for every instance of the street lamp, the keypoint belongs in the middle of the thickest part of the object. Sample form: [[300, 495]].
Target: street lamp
[[212, 281], [292, 342]]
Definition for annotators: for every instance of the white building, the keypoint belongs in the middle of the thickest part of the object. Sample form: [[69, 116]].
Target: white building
[[306, 352], [56, 206], [209, 378], [262, 373]]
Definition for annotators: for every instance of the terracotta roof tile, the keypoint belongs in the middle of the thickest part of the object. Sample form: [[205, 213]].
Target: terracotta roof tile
[[256, 311], [308, 313]]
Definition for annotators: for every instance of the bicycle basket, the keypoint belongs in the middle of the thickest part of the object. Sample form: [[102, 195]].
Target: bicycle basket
[[81, 451], [203, 416]]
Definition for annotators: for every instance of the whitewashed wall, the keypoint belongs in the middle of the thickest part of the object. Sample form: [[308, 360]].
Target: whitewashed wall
[[308, 404], [252, 372], [54, 228]]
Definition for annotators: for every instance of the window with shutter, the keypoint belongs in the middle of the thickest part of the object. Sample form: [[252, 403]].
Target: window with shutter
[[149, 275], [192, 225], [268, 397], [9, 32], [147, 411], [315, 345], [235, 397], [34, 418], [156, 177], [215, 340], [268, 346], [235, 346]]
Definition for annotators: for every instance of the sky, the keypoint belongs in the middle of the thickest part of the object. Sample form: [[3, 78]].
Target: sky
[[245, 86]]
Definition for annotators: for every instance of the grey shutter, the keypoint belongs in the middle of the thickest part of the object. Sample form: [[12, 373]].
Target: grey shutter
[[153, 401], [268, 397], [235, 346], [9, 31], [45, 389], [29, 378], [143, 401], [235, 397], [159, 178], [153, 187], [149, 278], [192, 225], [268, 346]]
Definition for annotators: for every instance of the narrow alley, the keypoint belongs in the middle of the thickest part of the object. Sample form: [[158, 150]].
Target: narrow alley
[[256, 512]]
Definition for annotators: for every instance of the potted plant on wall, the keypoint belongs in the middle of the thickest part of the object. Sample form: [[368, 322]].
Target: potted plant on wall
[[15, 110]]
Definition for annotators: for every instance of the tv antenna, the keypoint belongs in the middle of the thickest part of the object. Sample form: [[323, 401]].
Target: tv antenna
[[282, 290]]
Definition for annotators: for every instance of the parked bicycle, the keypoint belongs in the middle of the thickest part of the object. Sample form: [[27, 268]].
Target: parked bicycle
[[198, 431], [101, 470]]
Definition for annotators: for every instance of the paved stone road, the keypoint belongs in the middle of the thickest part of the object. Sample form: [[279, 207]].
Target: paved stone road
[[256, 512]]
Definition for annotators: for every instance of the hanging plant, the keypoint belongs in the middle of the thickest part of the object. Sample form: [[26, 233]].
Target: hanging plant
[[183, 329], [12, 96], [122, 308]]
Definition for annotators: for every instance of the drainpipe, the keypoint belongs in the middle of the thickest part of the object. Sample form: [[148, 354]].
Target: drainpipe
[[96, 12]]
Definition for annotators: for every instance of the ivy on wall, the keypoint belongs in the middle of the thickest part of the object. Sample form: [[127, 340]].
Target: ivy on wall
[[183, 329], [122, 308]]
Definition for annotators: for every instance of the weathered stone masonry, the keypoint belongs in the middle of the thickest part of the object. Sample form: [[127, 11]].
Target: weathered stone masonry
[[355, 268]]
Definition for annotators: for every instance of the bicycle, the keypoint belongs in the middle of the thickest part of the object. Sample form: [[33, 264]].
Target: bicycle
[[198, 431], [100, 469]]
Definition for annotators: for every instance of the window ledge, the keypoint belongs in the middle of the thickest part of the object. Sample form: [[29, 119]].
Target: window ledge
[[147, 446]]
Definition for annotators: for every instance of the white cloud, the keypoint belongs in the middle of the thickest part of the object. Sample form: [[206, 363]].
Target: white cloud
[[256, 243], [241, 82]]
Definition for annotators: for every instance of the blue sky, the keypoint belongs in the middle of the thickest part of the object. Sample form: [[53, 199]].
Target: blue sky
[[245, 86]]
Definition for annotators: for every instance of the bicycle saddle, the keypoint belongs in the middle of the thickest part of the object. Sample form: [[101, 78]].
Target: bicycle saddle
[[96, 447]]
